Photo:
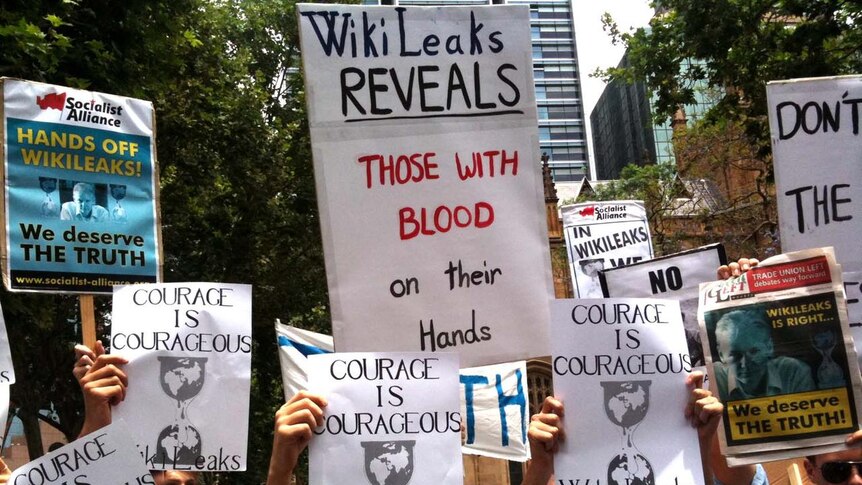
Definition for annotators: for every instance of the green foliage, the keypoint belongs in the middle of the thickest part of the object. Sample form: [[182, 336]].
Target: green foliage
[[656, 185], [237, 188], [742, 45]]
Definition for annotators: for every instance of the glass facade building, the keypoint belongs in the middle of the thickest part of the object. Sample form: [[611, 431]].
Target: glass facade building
[[624, 131], [562, 131]]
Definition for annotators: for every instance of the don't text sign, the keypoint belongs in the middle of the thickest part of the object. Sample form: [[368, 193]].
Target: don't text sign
[[814, 125]]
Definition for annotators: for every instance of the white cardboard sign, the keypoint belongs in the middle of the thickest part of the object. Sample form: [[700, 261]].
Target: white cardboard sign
[[107, 455], [493, 397], [496, 410], [428, 180], [817, 153], [391, 418], [619, 368], [189, 352], [604, 235], [678, 277]]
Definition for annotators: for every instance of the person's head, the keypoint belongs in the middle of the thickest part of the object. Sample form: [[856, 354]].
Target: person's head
[[175, 477], [591, 267], [744, 339], [48, 184], [84, 196], [833, 468], [118, 191]]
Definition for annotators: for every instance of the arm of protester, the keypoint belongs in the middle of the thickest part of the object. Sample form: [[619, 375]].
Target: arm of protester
[[735, 269], [84, 359], [294, 423], [545, 434], [5, 473], [104, 385], [704, 413]]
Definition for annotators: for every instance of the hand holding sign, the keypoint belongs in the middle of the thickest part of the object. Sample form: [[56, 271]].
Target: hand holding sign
[[703, 409], [104, 385], [546, 432], [85, 357], [725, 271], [5, 473], [294, 425]]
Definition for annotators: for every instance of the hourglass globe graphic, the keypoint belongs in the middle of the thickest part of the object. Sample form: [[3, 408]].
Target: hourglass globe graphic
[[118, 193], [829, 374], [182, 378], [49, 185], [626, 405]]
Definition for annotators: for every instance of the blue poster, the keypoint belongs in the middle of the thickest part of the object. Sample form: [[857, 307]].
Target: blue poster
[[80, 190]]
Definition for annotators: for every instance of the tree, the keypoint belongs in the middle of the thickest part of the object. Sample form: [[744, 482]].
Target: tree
[[739, 46], [720, 190], [656, 185], [237, 192]]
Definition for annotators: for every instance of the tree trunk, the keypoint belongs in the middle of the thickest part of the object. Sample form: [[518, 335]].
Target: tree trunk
[[33, 433]]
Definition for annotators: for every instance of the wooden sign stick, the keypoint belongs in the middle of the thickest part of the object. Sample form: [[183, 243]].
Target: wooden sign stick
[[88, 320]]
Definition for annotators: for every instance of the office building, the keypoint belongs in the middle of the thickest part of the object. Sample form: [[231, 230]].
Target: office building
[[625, 132], [562, 129]]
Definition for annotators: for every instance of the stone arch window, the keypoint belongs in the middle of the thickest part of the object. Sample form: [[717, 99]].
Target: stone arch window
[[539, 383]]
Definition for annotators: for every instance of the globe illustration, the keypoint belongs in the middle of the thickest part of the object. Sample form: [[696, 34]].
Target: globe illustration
[[630, 469], [626, 405], [178, 444], [388, 462], [182, 378]]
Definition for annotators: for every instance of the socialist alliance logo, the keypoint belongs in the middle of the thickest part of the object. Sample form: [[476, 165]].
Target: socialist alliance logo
[[51, 101], [91, 111]]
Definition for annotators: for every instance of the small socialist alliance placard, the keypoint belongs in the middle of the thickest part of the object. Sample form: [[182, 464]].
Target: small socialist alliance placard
[[426, 161], [189, 352], [81, 190], [604, 235], [390, 418]]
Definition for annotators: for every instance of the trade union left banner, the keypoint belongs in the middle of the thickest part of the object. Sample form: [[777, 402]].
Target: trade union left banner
[[81, 190], [426, 160]]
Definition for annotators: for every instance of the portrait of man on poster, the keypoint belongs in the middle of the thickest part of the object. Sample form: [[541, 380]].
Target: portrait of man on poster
[[748, 367]]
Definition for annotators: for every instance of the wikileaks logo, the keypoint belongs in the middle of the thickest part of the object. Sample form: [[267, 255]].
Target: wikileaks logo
[[389, 462]]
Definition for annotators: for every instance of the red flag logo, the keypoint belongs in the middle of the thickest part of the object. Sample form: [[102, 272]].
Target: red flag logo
[[587, 211], [52, 101]]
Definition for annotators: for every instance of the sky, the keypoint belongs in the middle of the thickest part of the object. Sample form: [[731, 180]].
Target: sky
[[594, 45]]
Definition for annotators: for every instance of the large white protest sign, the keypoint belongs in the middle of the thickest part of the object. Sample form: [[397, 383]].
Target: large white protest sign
[[104, 456], [81, 189], [676, 276], [619, 368], [493, 397], [390, 418], [294, 347], [603, 235], [7, 372], [189, 352], [814, 125], [428, 181], [496, 411]]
